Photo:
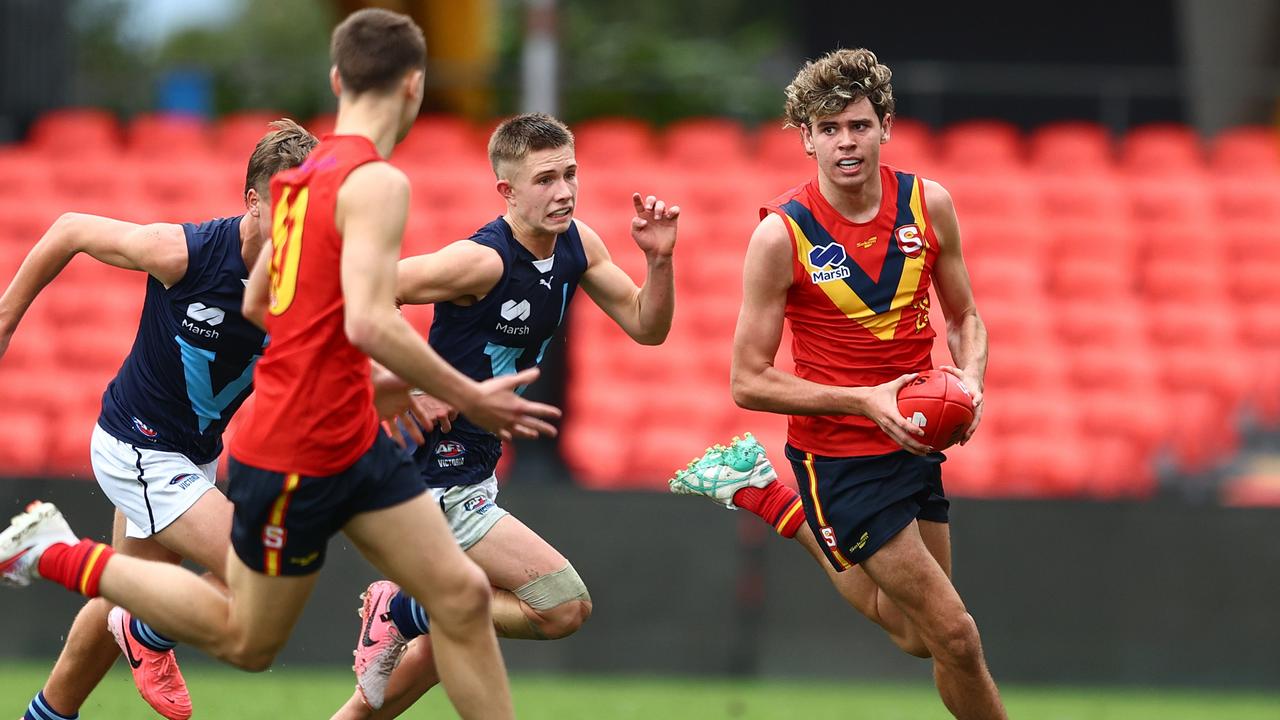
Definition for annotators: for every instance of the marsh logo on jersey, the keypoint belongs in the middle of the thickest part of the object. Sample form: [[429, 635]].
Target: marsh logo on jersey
[[910, 242], [478, 505], [185, 480], [512, 310], [450, 453], [826, 263]]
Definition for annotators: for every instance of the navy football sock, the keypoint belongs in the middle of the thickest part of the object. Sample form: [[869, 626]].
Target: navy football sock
[[408, 615], [149, 638], [39, 709]]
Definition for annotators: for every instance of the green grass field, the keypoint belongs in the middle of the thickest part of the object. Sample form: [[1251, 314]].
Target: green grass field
[[315, 693]]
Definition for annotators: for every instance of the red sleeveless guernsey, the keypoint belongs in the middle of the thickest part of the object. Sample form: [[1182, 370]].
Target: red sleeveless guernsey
[[313, 414], [858, 303]]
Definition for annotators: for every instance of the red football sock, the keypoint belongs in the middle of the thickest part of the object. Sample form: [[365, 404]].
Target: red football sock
[[776, 504], [77, 567]]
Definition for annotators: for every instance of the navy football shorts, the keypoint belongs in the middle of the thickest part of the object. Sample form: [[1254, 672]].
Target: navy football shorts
[[855, 505], [283, 521]]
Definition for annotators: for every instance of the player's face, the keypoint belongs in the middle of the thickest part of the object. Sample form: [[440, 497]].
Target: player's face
[[544, 190], [847, 144]]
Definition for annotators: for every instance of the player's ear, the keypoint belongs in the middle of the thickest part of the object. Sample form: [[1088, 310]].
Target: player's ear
[[806, 137], [252, 202], [416, 83], [335, 81], [885, 127], [504, 188]]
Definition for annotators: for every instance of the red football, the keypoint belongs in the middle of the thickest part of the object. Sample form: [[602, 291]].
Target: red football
[[940, 404]]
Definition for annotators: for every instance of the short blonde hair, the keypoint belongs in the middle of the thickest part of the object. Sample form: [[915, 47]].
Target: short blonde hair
[[516, 137], [823, 87]]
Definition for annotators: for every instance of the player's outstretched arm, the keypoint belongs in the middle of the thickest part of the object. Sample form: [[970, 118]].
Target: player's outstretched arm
[[966, 333], [372, 205], [159, 250], [645, 312], [463, 270], [758, 385]]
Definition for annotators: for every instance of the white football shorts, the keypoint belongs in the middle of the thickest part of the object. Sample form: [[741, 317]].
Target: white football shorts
[[151, 487]]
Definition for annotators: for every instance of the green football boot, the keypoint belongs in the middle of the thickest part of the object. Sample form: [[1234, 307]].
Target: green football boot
[[723, 471]]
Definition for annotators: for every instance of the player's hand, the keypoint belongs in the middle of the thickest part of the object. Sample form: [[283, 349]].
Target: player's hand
[[654, 226], [502, 412], [431, 412], [973, 384], [881, 406]]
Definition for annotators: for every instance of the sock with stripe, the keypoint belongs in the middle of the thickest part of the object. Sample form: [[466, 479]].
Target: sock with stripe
[[776, 504], [77, 567], [39, 709], [408, 615], [149, 638]]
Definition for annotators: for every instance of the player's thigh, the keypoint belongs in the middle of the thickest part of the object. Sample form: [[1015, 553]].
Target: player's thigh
[[907, 572], [412, 545], [511, 554], [144, 548], [264, 608], [203, 533], [937, 538]]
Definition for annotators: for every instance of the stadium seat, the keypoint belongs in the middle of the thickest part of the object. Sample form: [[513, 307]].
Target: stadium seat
[[1254, 280], [1012, 196], [1139, 415], [1026, 368], [1117, 470], [1176, 322], [981, 145], [321, 124], [166, 135], [236, 134], [24, 444], [1181, 242], [1159, 149], [705, 143], [1004, 238], [1100, 199], [1071, 148], [24, 175], [1128, 370], [1171, 277], [970, 470], [1046, 465], [443, 139], [1081, 238], [76, 132], [1089, 279], [1163, 199], [614, 140], [1249, 151], [1010, 279], [1249, 197]]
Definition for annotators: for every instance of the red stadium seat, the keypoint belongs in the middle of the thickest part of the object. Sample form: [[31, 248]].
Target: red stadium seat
[[1117, 470], [1176, 322], [614, 140], [1171, 277], [1101, 199], [1092, 280], [24, 444], [165, 135], [1170, 199], [1004, 238], [978, 145], [1101, 367], [1249, 238], [236, 134], [1012, 197], [1026, 368], [598, 455], [780, 150], [1071, 148], [1249, 151], [1250, 197], [1255, 280], [1140, 416], [76, 132], [970, 470], [1049, 465], [1087, 239], [321, 124], [910, 147], [24, 175], [1180, 242], [1083, 322], [443, 139], [995, 277], [1160, 149], [706, 143]]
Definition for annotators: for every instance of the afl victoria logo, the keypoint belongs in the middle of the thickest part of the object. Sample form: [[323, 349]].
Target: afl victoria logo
[[910, 241]]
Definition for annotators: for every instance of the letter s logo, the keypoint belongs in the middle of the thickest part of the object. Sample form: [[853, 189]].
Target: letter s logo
[[910, 242]]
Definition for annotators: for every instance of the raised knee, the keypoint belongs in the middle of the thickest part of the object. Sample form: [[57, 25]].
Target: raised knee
[[563, 620], [914, 646]]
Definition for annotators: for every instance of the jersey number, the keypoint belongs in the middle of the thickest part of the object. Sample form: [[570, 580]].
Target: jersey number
[[286, 247]]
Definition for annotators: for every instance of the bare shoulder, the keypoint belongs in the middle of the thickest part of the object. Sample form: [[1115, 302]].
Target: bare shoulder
[[937, 198], [592, 244], [375, 178], [771, 236]]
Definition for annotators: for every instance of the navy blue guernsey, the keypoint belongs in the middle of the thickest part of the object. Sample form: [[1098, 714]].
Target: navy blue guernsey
[[191, 366], [505, 332]]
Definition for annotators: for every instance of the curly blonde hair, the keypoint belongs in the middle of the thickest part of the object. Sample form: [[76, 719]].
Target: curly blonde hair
[[825, 86]]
